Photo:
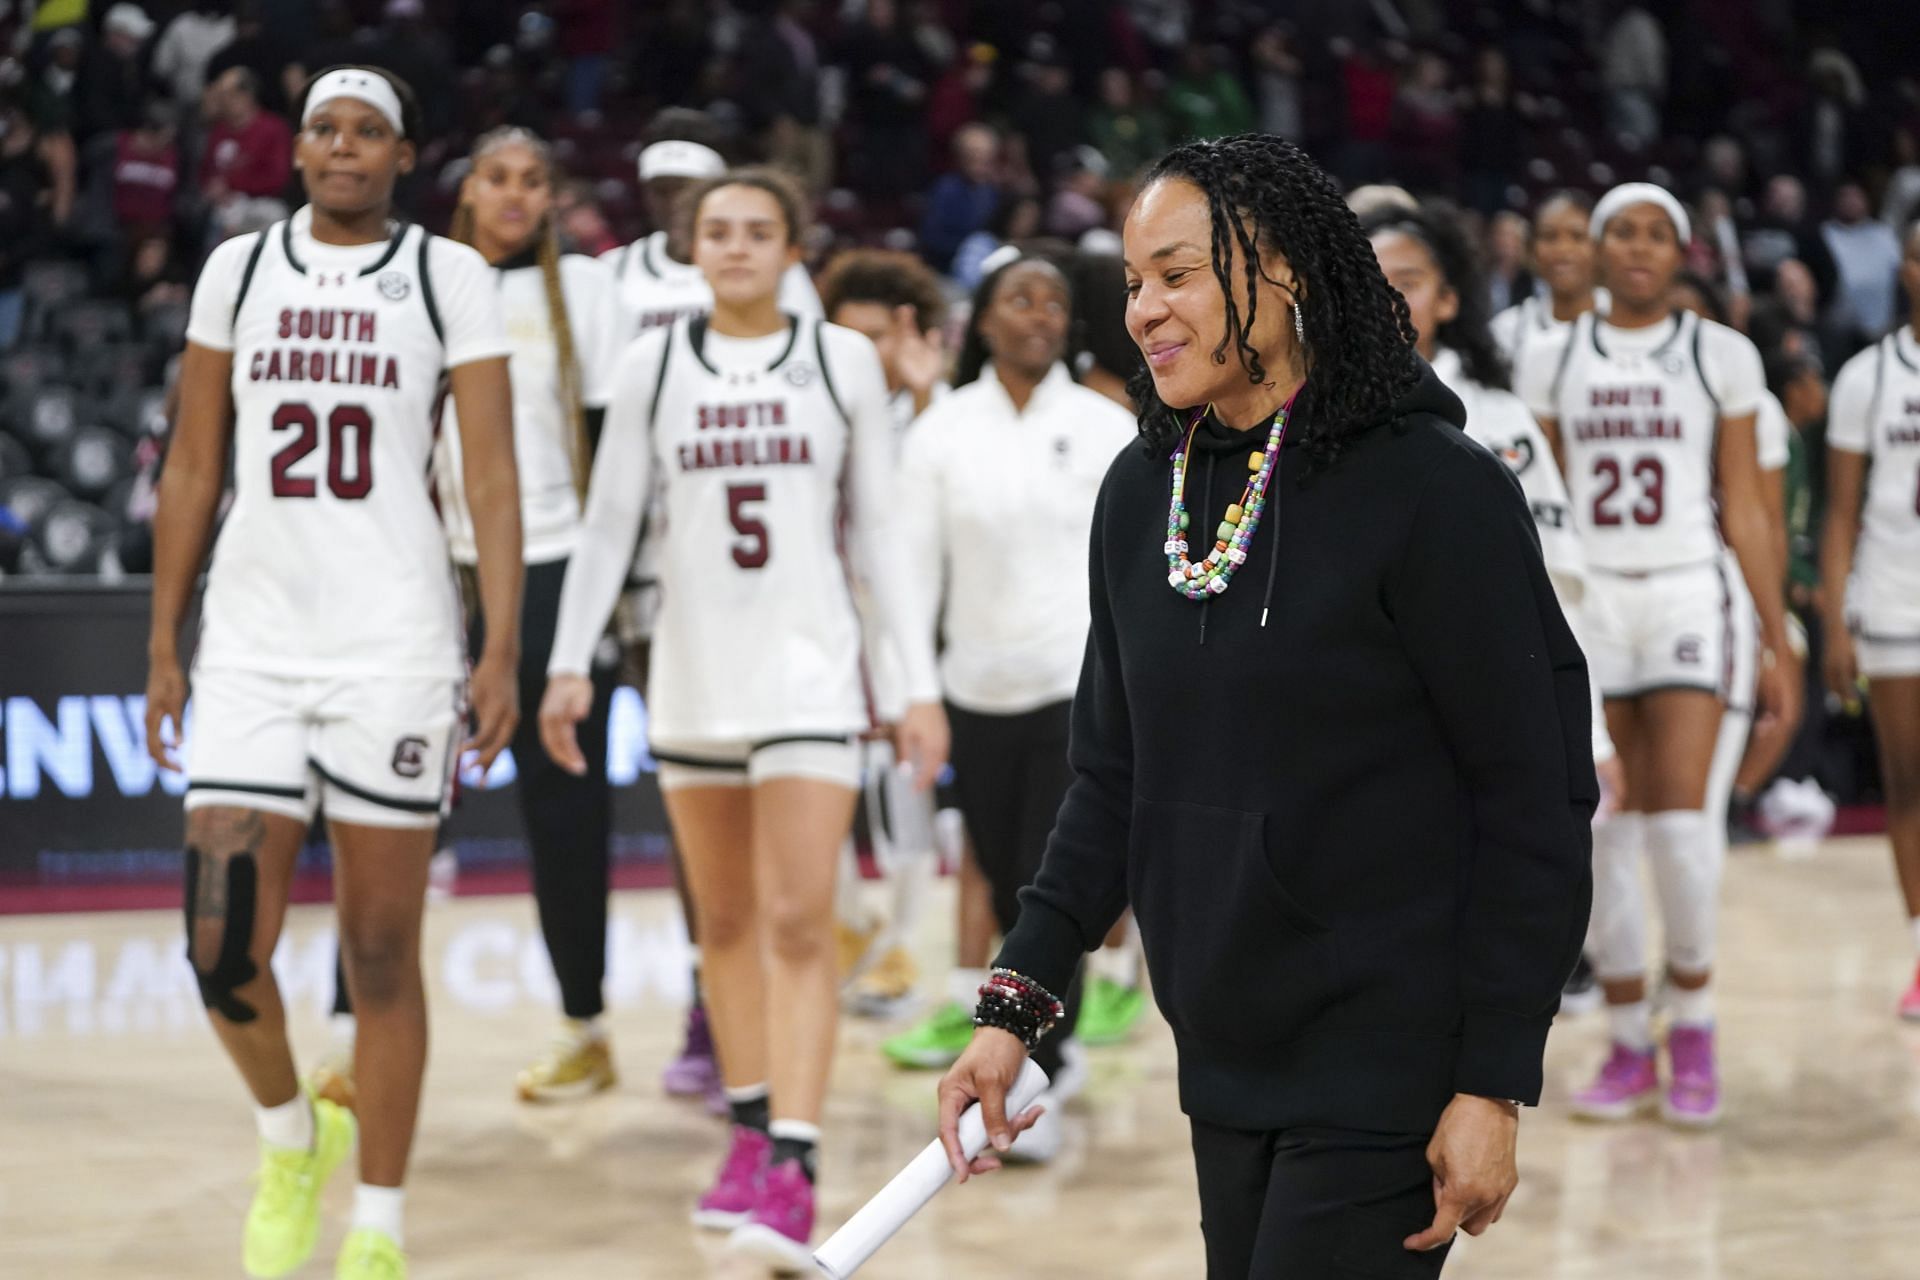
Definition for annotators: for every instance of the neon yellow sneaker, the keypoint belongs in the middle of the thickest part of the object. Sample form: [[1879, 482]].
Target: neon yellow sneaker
[[886, 982], [1110, 1011], [370, 1255], [332, 1079], [284, 1223], [575, 1066], [934, 1044]]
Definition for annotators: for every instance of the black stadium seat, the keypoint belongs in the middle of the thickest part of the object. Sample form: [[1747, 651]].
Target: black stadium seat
[[82, 326], [25, 368], [106, 369], [165, 327], [31, 497], [46, 417], [73, 537], [93, 461], [15, 461], [50, 287]]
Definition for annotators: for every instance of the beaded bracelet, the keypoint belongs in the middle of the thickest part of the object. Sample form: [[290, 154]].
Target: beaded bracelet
[[1017, 1004]]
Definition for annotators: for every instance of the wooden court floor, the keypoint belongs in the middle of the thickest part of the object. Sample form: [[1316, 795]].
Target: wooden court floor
[[125, 1144]]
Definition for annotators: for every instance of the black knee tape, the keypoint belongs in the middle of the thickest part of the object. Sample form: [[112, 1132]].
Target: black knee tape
[[232, 968]]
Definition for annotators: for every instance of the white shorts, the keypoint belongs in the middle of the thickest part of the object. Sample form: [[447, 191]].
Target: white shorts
[[1684, 628], [1884, 617], [1887, 659], [373, 751], [710, 763]]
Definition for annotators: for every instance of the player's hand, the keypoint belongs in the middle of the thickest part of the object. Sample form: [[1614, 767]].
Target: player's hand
[[917, 357], [166, 711], [922, 741], [1473, 1157], [1778, 695], [1841, 667], [984, 1072], [1613, 786], [495, 691], [566, 703]]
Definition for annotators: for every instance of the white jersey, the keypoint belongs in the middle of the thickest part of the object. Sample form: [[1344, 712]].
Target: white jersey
[[543, 438], [1772, 434], [656, 290], [1528, 327], [1876, 411], [777, 462], [332, 560], [1639, 412]]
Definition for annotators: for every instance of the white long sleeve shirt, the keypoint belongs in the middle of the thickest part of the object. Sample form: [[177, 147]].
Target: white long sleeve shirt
[[1000, 508]]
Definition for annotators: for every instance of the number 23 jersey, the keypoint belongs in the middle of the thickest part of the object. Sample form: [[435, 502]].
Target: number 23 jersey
[[332, 560], [1639, 414], [775, 461]]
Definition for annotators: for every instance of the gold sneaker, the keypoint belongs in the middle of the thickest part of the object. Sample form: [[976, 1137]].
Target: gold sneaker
[[575, 1066], [332, 1079], [886, 982]]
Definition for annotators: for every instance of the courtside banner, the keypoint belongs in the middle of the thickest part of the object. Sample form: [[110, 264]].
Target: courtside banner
[[81, 802]]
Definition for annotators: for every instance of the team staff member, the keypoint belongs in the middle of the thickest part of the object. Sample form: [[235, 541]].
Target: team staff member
[[1331, 741]]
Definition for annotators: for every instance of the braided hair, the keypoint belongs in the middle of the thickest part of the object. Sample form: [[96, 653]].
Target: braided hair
[[1264, 193], [1437, 229], [547, 252], [974, 355]]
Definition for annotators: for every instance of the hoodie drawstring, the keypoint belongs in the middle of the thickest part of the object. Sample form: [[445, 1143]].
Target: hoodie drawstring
[[1206, 504], [1273, 519]]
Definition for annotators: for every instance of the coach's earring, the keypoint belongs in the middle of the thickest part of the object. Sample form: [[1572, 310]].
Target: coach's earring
[[1299, 326]]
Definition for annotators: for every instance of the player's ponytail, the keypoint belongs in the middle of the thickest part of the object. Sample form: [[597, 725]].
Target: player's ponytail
[[546, 245]]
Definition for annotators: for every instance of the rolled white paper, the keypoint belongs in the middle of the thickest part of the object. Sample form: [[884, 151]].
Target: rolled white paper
[[849, 1248]]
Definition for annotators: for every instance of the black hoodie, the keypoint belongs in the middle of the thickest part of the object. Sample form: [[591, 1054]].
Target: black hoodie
[[1356, 838]]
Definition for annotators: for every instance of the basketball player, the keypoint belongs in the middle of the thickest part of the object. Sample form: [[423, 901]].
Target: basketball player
[[330, 670], [1563, 259], [567, 330], [772, 438], [1647, 409], [1872, 545]]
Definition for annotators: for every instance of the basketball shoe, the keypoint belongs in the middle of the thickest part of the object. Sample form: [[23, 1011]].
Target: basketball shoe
[[729, 1202], [332, 1079], [368, 1254], [696, 1072], [283, 1223], [1628, 1084], [1110, 1011], [576, 1065], [1693, 1095], [936, 1043], [880, 988], [1910, 1002], [780, 1232]]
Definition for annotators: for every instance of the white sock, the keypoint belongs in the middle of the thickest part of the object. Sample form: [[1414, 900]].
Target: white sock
[[1632, 1025], [1914, 924], [289, 1125], [587, 1030], [1119, 965], [1691, 1008], [341, 1028], [797, 1130], [381, 1208], [963, 986]]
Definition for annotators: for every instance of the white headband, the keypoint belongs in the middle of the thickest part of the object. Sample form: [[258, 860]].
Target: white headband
[[674, 159], [362, 86], [1632, 193]]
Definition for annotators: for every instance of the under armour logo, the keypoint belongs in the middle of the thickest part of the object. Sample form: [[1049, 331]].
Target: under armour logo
[[1688, 650], [338, 279]]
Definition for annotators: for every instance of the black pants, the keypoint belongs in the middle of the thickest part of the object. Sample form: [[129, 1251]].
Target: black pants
[[568, 819], [1010, 774], [1314, 1204]]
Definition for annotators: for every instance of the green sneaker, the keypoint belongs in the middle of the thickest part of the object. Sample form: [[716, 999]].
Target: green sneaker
[[370, 1255], [936, 1043], [1109, 1011], [283, 1224]]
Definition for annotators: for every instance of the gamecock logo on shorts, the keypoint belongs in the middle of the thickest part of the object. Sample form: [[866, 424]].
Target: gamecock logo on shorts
[[410, 757], [1687, 649]]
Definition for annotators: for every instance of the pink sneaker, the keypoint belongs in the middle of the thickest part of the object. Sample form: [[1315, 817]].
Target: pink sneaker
[[1910, 1002], [1627, 1085], [694, 1074], [1693, 1098], [781, 1230], [731, 1199]]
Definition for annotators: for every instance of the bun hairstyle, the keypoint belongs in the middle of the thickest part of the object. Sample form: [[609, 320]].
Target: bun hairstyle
[[1264, 193]]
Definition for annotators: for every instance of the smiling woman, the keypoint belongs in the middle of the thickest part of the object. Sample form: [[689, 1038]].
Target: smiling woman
[[1349, 813]]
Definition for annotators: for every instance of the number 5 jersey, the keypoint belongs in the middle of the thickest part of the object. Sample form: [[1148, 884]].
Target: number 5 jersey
[[775, 461], [332, 560]]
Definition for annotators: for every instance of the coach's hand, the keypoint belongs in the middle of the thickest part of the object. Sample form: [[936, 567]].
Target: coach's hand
[[566, 703], [985, 1071], [922, 740], [1474, 1171], [495, 690], [166, 707]]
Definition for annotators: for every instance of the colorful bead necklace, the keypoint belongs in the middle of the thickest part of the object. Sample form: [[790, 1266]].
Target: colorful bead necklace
[[1211, 576]]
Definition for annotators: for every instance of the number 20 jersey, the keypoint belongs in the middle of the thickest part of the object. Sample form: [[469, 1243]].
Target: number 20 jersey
[[332, 560], [1638, 431]]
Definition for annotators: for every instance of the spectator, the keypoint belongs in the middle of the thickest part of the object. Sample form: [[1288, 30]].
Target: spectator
[[1426, 127], [1833, 123], [1725, 162], [1276, 80], [26, 201], [1866, 259], [1206, 100], [777, 82], [1490, 138], [154, 275], [259, 50], [1902, 198], [1508, 279], [1367, 91], [1782, 229], [113, 78], [1633, 67], [249, 155], [671, 48], [186, 47], [405, 45], [54, 98], [888, 80], [583, 226], [1130, 135], [959, 95], [146, 174], [962, 202], [587, 39], [1047, 121], [1079, 199], [1016, 222]]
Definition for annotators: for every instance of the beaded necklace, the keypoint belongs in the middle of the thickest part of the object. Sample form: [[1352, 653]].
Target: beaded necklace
[[1211, 575]]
